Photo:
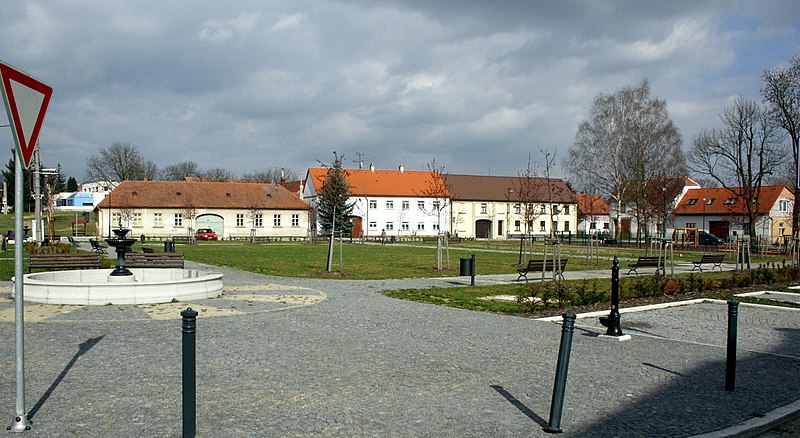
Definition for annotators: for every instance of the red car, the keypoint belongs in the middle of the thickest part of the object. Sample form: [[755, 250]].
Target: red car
[[205, 234]]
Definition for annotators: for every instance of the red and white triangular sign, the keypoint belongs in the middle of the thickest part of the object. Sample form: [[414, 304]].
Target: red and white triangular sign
[[26, 102]]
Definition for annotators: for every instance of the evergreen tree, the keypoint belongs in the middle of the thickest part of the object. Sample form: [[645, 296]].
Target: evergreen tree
[[58, 181], [27, 178], [72, 184], [334, 196]]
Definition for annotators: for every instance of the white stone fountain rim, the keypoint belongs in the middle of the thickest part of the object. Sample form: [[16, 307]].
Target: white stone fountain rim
[[91, 287]]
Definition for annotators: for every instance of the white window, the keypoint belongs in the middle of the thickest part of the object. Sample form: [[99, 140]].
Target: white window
[[435, 227], [239, 219], [420, 226], [484, 208], [605, 226], [295, 220], [593, 226], [389, 205], [137, 219], [158, 221], [115, 218], [373, 225], [783, 206], [691, 225], [566, 225], [178, 220], [404, 226], [421, 205], [517, 224], [517, 209], [436, 205], [258, 220], [566, 209], [542, 226], [389, 226], [276, 220], [373, 204], [405, 205]]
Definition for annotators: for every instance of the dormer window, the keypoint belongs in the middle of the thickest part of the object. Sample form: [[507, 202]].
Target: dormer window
[[710, 201], [691, 201], [730, 201]]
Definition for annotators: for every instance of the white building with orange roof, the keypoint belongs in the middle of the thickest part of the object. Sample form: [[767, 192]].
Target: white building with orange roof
[[594, 216], [230, 209], [398, 202], [720, 212]]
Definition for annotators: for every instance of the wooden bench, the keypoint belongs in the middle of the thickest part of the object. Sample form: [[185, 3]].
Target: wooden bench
[[542, 266], [147, 250], [73, 242], [97, 247], [65, 261], [716, 259], [644, 262], [154, 260]]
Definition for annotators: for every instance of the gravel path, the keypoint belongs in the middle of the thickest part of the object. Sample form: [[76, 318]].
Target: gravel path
[[303, 357]]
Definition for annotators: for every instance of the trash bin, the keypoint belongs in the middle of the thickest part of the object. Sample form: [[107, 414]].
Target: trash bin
[[169, 246], [466, 267]]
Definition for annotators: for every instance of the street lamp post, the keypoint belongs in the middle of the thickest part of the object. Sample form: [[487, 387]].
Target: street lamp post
[[704, 215]]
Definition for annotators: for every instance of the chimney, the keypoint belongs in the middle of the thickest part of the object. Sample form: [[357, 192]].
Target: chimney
[[372, 167], [283, 176], [402, 168]]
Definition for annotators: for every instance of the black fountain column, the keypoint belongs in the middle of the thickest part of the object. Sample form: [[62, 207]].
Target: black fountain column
[[121, 245]]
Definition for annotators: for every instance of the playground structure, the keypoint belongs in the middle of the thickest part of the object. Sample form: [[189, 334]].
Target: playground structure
[[686, 237]]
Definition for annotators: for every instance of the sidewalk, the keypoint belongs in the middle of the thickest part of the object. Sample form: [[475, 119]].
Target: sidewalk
[[306, 357]]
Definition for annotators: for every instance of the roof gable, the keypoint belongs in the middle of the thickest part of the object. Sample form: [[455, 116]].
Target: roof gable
[[592, 205]]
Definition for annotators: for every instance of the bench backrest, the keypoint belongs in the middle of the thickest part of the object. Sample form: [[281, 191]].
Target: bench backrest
[[154, 260], [65, 260], [648, 260], [712, 258], [539, 265]]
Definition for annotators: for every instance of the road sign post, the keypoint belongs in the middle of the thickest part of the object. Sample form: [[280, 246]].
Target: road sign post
[[26, 100]]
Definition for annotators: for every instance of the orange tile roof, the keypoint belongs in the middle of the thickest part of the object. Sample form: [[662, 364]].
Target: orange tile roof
[[366, 182], [592, 205], [180, 194], [725, 202]]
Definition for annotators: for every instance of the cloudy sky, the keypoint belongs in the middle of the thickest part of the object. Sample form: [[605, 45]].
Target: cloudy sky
[[475, 85]]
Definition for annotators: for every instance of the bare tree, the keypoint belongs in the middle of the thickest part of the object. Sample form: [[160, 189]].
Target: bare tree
[[782, 94], [628, 139], [439, 192], [217, 174], [741, 154], [527, 193], [179, 171], [120, 162], [271, 174]]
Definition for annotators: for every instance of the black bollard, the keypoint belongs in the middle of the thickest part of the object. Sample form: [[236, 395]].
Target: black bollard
[[556, 405], [189, 330], [730, 363], [472, 271], [612, 320]]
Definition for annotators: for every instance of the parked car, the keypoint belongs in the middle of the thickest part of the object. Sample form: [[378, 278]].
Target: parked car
[[205, 234], [708, 239]]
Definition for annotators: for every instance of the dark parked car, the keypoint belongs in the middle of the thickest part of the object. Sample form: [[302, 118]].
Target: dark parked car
[[708, 239], [205, 234]]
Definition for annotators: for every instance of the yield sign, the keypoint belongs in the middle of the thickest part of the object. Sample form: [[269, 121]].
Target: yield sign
[[26, 102]]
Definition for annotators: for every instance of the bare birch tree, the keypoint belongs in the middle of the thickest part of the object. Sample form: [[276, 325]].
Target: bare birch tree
[[741, 154]]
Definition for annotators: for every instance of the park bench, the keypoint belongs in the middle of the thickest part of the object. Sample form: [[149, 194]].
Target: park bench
[[147, 250], [65, 261], [183, 239], [542, 266], [154, 260], [716, 259], [97, 247], [73, 242], [644, 262]]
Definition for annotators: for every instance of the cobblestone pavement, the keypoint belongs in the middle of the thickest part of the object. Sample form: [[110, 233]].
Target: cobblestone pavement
[[302, 357]]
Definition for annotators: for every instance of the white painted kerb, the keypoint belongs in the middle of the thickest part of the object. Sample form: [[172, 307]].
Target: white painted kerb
[[91, 286]]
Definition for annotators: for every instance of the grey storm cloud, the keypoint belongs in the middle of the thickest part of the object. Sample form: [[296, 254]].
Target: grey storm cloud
[[479, 86]]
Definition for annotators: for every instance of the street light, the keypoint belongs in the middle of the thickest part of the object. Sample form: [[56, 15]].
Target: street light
[[704, 215], [509, 191]]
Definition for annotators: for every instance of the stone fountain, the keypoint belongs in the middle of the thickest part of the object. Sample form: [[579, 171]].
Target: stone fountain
[[121, 285], [121, 245]]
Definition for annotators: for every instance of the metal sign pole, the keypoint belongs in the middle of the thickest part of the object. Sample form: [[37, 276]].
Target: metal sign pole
[[21, 422]]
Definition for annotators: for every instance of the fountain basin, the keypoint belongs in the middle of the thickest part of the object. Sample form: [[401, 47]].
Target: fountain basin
[[92, 286]]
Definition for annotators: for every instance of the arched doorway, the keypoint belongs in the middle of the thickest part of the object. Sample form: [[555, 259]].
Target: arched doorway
[[213, 221], [483, 229]]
